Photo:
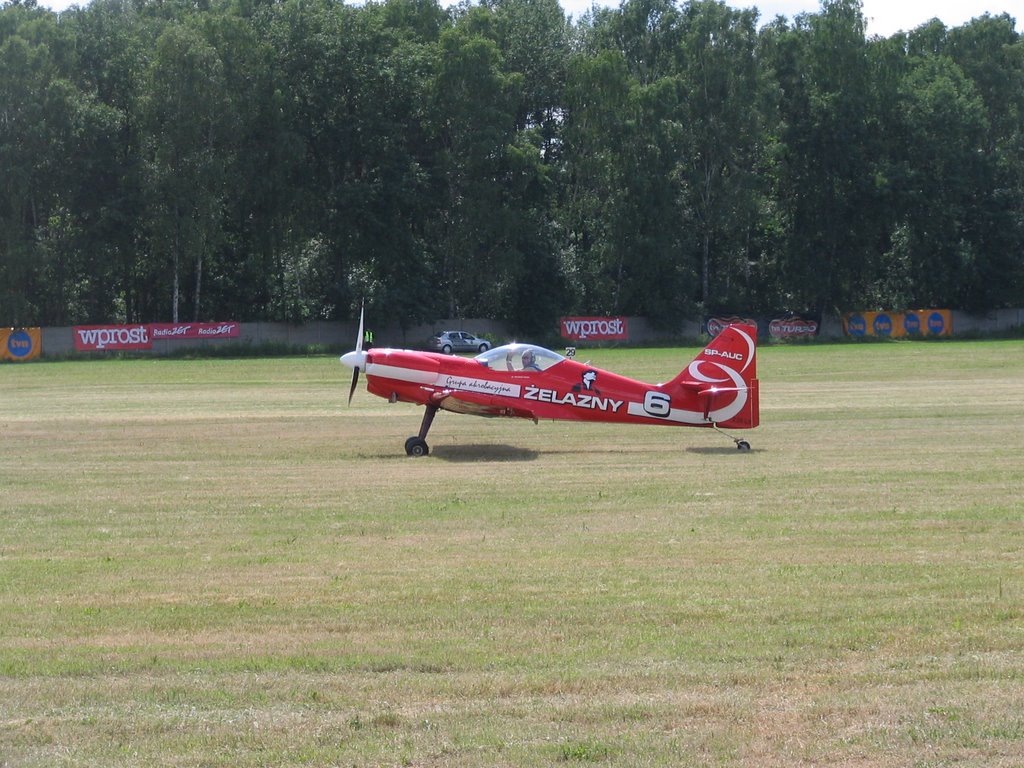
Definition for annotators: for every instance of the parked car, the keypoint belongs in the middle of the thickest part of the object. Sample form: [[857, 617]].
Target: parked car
[[450, 342]]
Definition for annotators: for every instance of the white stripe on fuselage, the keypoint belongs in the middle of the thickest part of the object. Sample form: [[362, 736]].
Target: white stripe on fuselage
[[411, 375], [483, 386], [443, 380], [681, 416]]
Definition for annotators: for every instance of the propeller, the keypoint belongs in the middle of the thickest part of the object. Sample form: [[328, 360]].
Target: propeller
[[356, 359]]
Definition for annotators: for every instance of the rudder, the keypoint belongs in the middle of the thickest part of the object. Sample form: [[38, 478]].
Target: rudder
[[734, 348], [724, 375]]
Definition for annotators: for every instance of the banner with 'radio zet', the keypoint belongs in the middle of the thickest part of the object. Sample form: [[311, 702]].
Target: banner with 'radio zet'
[[101, 338]]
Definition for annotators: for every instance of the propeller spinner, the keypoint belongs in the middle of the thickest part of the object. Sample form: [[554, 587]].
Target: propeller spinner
[[356, 359]]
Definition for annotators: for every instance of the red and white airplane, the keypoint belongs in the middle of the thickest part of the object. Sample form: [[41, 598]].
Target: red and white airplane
[[717, 390]]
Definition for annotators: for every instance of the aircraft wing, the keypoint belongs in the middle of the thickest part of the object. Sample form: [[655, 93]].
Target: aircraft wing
[[458, 401]]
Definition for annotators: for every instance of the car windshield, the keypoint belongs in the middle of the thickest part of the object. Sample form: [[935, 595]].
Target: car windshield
[[519, 357]]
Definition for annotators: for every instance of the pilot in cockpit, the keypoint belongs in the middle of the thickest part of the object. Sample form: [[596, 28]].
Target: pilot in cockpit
[[528, 361]]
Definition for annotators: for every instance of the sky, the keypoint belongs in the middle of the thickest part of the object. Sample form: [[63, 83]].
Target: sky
[[884, 17]]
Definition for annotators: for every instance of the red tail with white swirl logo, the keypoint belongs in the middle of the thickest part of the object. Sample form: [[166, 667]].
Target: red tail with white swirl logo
[[724, 375]]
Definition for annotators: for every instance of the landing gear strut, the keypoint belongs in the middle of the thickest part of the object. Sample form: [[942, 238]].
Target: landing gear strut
[[741, 445], [417, 444]]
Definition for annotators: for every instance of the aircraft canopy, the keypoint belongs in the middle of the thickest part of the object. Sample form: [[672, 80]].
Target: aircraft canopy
[[510, 357]]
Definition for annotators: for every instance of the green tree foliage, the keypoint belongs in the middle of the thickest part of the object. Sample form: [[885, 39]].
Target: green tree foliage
[[287, 160], [600, 128], [722, 118], [942, 130], [186, 118], [828, 148]]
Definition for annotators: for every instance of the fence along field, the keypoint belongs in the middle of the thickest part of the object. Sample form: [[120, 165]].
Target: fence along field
[[215, 562]]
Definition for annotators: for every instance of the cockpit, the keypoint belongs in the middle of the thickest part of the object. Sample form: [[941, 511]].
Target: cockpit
[[519, 357]]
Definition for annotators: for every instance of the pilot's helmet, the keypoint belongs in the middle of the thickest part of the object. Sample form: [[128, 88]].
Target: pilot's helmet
[[528, 357]]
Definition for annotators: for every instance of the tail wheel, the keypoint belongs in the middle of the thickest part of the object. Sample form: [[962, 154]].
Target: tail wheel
[[741, 445]]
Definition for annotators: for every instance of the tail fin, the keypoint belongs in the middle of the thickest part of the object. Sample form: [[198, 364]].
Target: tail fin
[[724, 375]]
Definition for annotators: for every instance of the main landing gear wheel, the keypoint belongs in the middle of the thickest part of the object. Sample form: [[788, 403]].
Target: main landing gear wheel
[[742, 445], [416, 446]]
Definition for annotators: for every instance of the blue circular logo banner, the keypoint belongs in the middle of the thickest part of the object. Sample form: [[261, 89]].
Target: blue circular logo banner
[[19, 345], [913, 323], [882, 325]]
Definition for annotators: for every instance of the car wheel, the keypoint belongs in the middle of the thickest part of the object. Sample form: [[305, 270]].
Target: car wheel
[[484, 347], [447, 349]]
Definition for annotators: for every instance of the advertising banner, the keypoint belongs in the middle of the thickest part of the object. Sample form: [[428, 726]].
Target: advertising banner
[[594, 328], [165, 331], [100, 338], [20, 344], [898, 325], [793, 327], [716, 324]]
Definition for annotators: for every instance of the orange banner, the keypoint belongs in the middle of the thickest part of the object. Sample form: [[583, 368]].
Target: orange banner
[[20, 344], [897, 325]]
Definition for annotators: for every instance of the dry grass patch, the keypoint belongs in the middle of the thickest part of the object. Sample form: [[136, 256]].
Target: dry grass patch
[[217, 563]]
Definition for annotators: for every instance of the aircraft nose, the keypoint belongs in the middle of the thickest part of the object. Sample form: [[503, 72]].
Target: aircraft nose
[[354, 359]]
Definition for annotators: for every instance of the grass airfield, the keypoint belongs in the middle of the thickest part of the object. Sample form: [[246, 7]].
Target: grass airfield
[[218, 563]]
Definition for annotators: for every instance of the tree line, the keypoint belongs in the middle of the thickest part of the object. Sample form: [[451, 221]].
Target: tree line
[[184, 160]]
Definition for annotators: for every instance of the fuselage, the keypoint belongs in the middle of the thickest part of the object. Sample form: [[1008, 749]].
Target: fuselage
[[563, 389]]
